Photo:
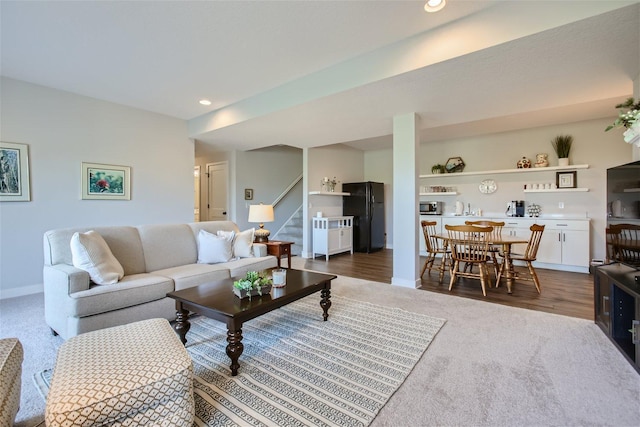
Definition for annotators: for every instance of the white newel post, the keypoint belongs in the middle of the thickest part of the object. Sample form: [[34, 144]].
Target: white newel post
[[406, 144]]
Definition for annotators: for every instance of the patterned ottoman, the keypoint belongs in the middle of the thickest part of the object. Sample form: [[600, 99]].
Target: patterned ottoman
[[135, 374], [11, 356]]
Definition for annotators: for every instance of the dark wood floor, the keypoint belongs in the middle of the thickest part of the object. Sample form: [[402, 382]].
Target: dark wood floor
[[569, 294]]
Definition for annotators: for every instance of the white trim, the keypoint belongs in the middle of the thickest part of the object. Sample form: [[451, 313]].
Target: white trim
[[21, 291]]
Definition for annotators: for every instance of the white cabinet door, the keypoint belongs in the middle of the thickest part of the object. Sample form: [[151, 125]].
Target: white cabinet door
[[575, 248], [346, 237], [550, 249], [333, 239], [519, 229], [566, 247]]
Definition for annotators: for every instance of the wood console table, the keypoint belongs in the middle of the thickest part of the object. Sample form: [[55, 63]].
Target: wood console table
[[279, 249]]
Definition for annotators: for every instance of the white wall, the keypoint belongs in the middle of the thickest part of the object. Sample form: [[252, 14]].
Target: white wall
[[340, 161], [592, 146], [268, 172], [63, 130]]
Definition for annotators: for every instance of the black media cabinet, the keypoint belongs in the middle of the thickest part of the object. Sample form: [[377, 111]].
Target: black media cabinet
[[616, 295]]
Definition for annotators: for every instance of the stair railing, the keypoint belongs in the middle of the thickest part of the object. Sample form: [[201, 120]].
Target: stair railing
[[286, 191]]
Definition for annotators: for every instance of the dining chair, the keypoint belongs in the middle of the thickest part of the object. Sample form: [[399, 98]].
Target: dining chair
[[469, 245], [527, 257], [495, 235], [612, 242], [434, 246], [626, 242]]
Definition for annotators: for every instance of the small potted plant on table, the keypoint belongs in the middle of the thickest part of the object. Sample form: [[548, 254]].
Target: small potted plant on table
[[252, 284]]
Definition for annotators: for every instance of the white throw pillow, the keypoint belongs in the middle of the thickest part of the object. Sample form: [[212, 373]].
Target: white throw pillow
[[89, 252], [213, 249], [243, 245]]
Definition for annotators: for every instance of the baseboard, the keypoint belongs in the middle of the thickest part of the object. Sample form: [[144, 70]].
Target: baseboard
[[406, 283], [21, 291]]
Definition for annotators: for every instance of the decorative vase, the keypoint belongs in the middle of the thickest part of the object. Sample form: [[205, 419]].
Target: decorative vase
[[563, 161], [523, 163], [542, 160]]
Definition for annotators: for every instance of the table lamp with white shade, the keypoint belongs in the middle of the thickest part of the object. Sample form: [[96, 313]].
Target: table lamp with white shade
[[261, 214]]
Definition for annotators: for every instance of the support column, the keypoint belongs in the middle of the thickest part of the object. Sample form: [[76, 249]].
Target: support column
[[406, 145]]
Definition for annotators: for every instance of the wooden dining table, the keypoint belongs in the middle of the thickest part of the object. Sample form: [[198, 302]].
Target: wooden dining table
[[506, 242]]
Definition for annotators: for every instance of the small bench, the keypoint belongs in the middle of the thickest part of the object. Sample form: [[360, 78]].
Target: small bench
[[136, 374]]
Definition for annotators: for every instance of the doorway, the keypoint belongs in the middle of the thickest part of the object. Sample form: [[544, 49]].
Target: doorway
[[217, 197], [196, 193]]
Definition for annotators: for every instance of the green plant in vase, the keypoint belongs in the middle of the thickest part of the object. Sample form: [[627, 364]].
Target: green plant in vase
[[562, 146], [437, 168]]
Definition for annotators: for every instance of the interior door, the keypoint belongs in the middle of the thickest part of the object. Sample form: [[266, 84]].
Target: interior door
[[196, 193], [218, 174]]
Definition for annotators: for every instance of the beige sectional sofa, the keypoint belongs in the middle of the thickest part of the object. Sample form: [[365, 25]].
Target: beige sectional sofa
[[156, 259]]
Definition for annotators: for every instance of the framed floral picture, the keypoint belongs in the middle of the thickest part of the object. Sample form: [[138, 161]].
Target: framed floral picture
[[106, 182], [14, 172]]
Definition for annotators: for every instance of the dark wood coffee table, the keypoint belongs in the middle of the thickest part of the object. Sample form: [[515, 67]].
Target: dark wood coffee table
[[216, 300]]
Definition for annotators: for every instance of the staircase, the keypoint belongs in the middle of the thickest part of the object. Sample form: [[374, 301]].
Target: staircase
[[291, 231]]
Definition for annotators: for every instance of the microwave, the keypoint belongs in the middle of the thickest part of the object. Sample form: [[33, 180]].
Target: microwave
[[430, 208]]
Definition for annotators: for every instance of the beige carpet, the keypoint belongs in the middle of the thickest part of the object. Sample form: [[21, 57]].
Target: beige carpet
[[494, 365], [489, 365]]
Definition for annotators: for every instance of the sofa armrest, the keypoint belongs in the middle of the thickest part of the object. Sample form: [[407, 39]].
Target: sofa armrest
[[259, 250], [65, 277]]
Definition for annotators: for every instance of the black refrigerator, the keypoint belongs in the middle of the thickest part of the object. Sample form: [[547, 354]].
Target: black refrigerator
[[366, 204]]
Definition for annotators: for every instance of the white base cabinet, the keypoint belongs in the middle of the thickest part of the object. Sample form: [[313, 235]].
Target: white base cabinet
[[332, 235], [564, 243]]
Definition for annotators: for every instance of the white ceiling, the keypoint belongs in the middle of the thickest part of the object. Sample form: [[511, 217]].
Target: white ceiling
[[165, 56]]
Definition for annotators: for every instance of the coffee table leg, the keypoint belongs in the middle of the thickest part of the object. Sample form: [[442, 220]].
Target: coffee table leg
[[234, 349], [325, 302], [182, 324]]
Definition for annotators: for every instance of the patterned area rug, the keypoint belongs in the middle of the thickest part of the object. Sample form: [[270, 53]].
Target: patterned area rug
[[299, 370]]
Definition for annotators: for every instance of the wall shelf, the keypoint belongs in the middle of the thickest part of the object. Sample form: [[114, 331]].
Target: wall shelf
[[631, 190], [501, 171], [558, 190], [328, 193], [441, 193]]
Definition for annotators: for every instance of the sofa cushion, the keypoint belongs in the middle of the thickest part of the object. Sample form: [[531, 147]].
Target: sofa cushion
[[214, 248], [186, 276], [213, 226], [130, 291], [167, 245], [11, 356], [243, 244], [124, 242], [90, 252]]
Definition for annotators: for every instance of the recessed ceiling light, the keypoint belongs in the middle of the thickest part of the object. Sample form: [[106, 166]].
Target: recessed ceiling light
[[434, 5], [205, 102]]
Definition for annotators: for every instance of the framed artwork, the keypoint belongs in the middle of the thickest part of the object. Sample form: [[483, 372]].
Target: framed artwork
[[14, 172], [105, 182], [248, 193], [566, 179]]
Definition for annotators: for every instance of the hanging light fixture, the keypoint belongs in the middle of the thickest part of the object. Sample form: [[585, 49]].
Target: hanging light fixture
[[434, 5]]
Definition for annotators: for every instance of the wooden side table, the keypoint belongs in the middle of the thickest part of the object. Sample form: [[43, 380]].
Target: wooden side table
[[278, 249]]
